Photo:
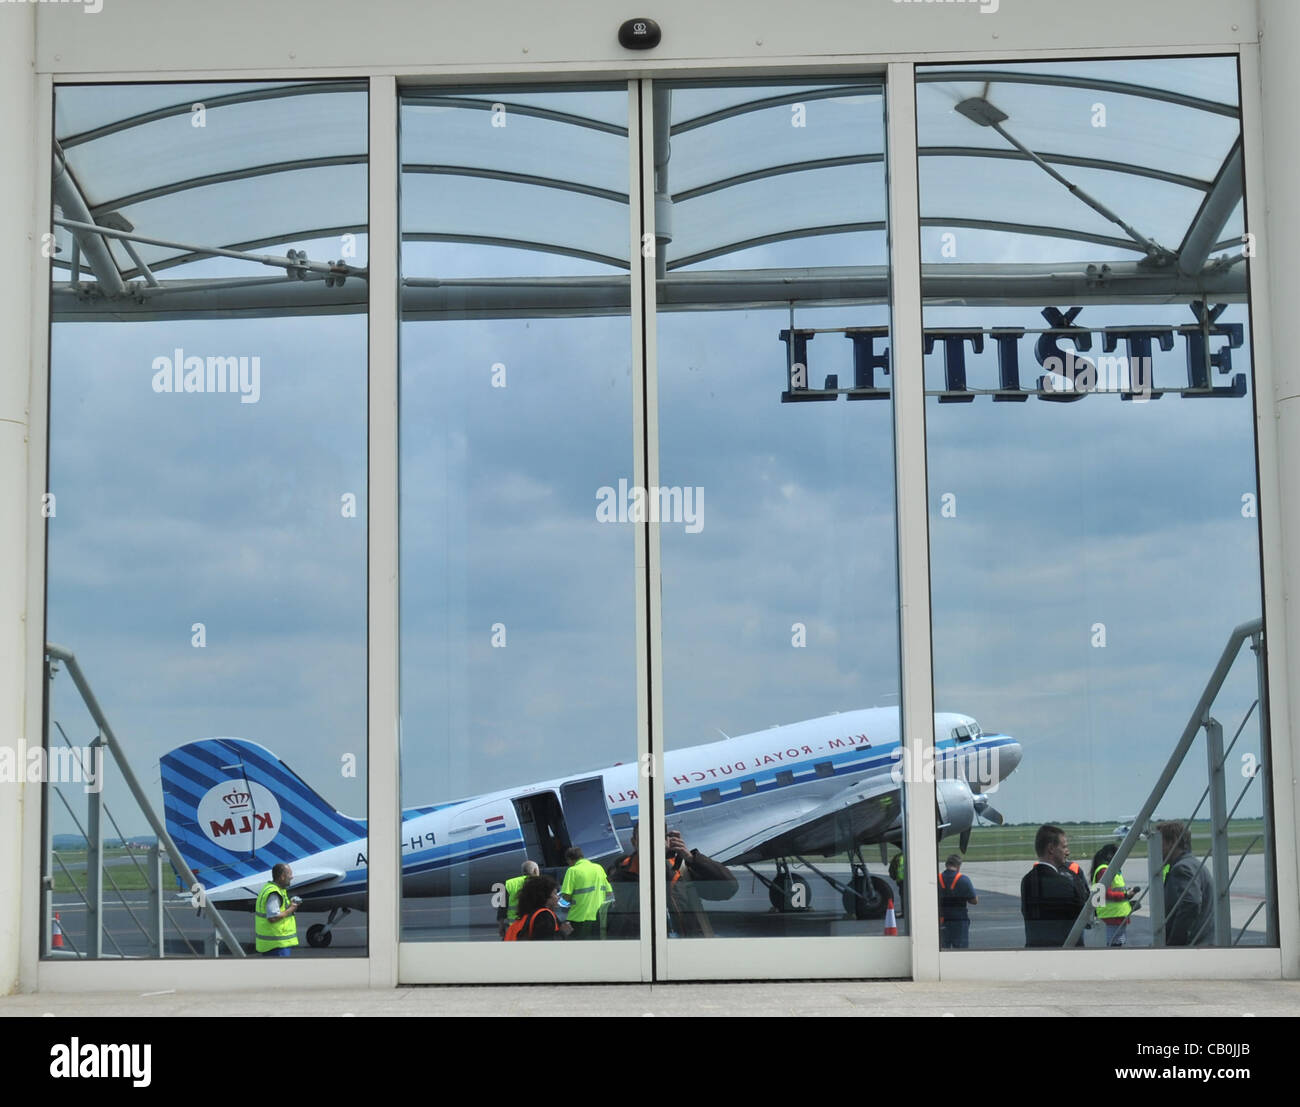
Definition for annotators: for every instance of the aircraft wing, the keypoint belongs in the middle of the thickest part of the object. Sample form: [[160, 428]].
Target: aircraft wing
[[861, 813], [304, 883]]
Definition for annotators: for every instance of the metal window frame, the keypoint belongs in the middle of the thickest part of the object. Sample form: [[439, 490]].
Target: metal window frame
[[381, 968]]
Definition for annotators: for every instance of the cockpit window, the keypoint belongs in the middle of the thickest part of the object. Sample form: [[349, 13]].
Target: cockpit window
[[961, 733]]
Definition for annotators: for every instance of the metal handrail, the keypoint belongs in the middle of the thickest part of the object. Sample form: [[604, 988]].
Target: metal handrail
[[57, 653], [1200, 716]]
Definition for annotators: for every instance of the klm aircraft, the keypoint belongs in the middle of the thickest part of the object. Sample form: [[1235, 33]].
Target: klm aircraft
[[823, 787]]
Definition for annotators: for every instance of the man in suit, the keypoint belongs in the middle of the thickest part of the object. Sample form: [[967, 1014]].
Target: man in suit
[[1052, 893]]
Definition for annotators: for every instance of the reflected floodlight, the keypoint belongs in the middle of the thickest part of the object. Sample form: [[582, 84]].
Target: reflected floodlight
[[117, 221], [978, 110]]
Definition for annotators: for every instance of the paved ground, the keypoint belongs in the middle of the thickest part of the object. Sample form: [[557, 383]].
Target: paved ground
[[1191, 999], [996, 921]]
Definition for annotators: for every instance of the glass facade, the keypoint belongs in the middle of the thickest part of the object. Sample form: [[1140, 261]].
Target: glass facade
[[1094, 536], [780, 602], [648, 531], [207, 518], [518, 660]]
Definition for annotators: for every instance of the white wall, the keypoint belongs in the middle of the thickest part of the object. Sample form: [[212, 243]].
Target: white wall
[[19, 246]]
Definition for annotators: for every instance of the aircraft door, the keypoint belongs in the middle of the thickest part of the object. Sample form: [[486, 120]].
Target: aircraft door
[[541, 820], [587, 814]]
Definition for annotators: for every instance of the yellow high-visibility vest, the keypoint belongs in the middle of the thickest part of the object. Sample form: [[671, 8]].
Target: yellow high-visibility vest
[[1112, 909], [280, 933], [585, 886], [512, 897]]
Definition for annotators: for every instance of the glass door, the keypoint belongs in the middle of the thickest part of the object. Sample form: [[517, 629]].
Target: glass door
[[649, 583], [519, 687], [778, 663]]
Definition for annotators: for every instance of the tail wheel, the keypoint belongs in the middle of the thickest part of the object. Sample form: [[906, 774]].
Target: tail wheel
[[790, 892], [318, 937]]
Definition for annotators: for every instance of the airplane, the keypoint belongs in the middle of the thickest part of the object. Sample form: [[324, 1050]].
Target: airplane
[[825, 786]]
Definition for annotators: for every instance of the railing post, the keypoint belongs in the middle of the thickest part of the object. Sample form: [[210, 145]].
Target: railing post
[[155, 896], [1156, 887], [1266, 767], [95, 867], [1218, 831]]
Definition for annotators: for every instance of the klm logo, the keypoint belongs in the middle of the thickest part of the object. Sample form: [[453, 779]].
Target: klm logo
[[261, 821]]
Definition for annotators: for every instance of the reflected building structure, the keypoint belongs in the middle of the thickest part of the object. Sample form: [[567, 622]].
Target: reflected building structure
[[823, 463]]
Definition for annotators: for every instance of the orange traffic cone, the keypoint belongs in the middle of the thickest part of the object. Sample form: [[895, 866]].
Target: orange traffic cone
[[56, 939], [891, 923]]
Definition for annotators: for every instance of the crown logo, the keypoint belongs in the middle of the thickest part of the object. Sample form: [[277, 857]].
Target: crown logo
[[235, 800]]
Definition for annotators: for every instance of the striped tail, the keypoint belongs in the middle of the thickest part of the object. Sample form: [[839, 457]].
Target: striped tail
[[234, 809]]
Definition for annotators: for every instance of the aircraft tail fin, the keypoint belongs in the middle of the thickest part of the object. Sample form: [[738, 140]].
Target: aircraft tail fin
[[234, 809]]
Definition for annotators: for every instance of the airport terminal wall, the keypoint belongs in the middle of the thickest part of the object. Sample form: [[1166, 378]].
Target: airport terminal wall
[[814, 513]]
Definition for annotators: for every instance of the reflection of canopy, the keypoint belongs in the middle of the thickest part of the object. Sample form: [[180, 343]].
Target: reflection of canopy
[[177, 173], [142, 190]]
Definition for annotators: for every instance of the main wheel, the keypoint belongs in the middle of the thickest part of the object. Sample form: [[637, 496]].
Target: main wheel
[[318, 937], [873, 896], [863, 899], [790, 893]]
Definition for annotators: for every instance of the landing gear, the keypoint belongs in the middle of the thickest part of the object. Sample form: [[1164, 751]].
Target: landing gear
[[787, 891], [790, 892], [320, 935], [866, 896]]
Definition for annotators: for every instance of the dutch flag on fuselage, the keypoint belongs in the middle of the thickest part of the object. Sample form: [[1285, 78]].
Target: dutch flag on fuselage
[[234, 809]]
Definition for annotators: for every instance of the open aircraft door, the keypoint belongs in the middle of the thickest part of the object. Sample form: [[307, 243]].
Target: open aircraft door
[[586, 813]]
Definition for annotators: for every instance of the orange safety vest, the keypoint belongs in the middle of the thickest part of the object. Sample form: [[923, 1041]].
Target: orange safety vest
[[956, 876], [517, 928]]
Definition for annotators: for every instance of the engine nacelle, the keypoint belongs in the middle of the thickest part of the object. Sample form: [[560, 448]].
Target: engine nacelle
[[956, 807]]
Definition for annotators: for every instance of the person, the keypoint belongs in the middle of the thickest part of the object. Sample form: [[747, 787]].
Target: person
[[955, 892], [691, 877], [508, 912], [1116, 908], [586, 888], [1051, 893], [1189, 891], [539, 896], [898, 874], [275, 928]]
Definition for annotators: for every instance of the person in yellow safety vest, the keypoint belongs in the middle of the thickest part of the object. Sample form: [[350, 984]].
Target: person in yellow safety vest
[[1116, 908], [275, 927], [585, 889], [508, 912]]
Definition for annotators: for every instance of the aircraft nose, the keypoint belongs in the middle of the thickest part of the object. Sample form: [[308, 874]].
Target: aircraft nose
[[1009, 756]]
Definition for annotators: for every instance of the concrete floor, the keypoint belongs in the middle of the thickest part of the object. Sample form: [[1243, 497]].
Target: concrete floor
[[1183, 999]]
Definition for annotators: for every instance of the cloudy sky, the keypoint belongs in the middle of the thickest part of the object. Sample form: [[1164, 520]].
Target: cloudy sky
[[175, 510]]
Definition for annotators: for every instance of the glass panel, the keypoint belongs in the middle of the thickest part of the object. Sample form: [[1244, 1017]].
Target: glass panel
[[1093, 533], [776, 511], [518, 661], [207, 535]]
